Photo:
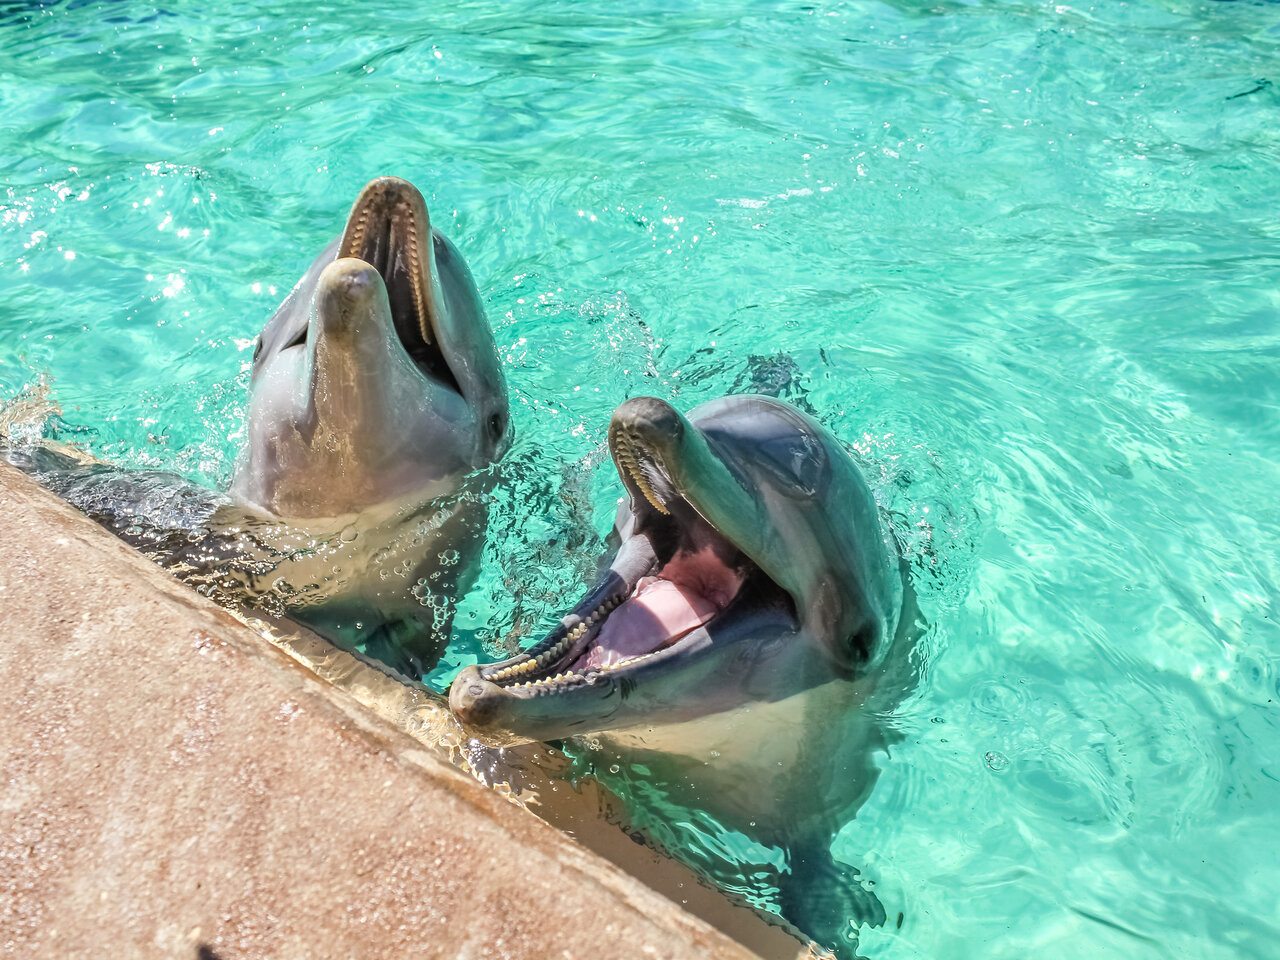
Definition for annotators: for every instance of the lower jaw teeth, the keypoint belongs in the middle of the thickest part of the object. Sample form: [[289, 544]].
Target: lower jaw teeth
[[595, 671], [556, 650], [547, 681], [627, 662]]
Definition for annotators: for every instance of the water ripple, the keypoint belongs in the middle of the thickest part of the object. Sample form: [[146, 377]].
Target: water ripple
[[1020, 257]]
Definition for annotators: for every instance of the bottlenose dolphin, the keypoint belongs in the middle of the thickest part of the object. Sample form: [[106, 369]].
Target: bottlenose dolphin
[[738, 641], [376, 400], [376, 390], [377, 378]]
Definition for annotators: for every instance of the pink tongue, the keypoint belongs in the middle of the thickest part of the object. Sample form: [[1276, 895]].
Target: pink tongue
[[660, 611]]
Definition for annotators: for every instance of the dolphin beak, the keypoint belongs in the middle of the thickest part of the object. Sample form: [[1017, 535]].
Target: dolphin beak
[[349, 291], [389, 228], [478, 705], [467, 698]]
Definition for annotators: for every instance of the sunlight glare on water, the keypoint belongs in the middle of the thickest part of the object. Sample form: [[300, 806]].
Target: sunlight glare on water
[[1021, 257]]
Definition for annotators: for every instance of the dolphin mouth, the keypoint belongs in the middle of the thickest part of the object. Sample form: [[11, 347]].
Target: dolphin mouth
[[677, 587], [389, 229]]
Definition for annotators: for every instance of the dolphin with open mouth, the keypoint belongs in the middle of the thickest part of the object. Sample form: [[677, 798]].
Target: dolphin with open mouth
[[753, 602], [751, 566], [376, 390], [378, 377], [377, 401]]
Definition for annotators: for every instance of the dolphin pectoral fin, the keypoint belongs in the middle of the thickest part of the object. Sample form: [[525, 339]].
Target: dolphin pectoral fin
[[826, 901]]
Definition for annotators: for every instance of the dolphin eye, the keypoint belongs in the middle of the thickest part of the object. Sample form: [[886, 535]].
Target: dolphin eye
[[257, 349], [497, 423]]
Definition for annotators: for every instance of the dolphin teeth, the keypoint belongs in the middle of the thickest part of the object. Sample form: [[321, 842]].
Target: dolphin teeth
[[630, 460], [505, 672], [516, 670], [548, 681], [630, 661]]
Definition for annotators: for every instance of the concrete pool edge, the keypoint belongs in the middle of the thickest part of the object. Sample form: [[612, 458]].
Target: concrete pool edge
[[174, 785]]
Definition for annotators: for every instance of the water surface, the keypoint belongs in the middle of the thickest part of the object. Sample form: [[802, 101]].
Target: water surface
[[1022, 257]]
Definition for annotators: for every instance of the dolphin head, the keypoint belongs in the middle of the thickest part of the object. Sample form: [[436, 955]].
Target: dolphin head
[[751, 565], [377, 379]]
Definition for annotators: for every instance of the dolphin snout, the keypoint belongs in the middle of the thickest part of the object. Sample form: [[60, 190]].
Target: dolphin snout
[[648, 417], [348, 287], [468, 698], [645, 436], [349, 294]]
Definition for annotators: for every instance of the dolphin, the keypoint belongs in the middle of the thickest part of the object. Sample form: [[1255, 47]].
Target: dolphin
[[376, 391], [377, 378], [377, 401], [751, 619]]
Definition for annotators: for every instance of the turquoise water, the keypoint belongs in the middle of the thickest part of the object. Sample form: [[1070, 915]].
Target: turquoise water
[[1022, 257]]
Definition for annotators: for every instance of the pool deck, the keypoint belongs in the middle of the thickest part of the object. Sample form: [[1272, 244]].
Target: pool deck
[[174, 785]]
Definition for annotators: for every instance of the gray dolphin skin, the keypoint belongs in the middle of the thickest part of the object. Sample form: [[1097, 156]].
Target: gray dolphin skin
[[751, 566], [736, 641]]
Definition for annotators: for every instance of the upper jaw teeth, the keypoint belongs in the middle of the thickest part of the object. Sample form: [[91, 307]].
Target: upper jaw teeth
[[629, 460]]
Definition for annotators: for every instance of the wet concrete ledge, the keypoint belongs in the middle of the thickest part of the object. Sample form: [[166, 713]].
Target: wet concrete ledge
[[173, 785]]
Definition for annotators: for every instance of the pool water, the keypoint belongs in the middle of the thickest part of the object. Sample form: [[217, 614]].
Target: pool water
[[1024, 258]]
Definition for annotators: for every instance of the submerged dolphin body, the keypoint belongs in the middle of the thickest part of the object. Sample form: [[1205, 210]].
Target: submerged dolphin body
[[737, 641], [376, 396]]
